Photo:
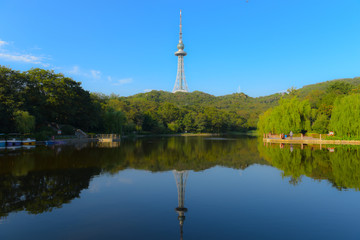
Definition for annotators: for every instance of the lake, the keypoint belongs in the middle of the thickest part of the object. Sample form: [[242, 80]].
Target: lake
[[180, 188]]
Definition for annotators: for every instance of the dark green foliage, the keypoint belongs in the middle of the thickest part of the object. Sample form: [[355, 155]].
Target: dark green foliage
[[242, 109], [193, 112], [54, 98], [44, 133], [45, 95], [67, 130], [12, 88]]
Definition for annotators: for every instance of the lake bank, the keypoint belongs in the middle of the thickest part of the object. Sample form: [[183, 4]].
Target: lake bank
[[309, 140]]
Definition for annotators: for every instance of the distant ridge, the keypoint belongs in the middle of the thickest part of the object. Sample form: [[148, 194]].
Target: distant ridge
[[248, 107], [323, 85]]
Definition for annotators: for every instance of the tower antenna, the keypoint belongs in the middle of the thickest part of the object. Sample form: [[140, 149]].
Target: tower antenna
[[180, 35]]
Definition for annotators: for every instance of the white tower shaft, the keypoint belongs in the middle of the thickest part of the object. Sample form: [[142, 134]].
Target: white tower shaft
[[180, 83]]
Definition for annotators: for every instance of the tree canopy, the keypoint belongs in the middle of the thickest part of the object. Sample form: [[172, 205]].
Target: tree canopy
[[291, 115], [345, 116]]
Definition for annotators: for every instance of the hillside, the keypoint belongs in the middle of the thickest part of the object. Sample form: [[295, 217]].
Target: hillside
[[244, 106], [247, 107], [322, 86]]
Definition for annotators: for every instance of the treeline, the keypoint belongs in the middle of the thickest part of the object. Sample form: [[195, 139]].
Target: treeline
[[337, 109], [41, 101], [142, 115], [31, 100]]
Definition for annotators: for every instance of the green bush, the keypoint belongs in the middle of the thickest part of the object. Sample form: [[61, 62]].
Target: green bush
[[43, 135], [67, 130]]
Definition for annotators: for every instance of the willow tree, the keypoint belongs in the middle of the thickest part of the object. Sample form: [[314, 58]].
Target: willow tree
[[345, 116], [265, 124], [114, 121], [291, 115], [25, 123]]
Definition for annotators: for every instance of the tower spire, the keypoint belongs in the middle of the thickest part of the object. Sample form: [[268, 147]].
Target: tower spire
[[180, 83], [180, 35]]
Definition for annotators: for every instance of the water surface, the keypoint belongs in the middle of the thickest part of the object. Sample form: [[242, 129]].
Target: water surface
[[180, 187]]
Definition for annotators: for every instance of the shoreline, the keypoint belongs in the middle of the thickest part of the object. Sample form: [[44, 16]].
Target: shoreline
[[68, 141], [94, 139], [174, 135], [312, 141]]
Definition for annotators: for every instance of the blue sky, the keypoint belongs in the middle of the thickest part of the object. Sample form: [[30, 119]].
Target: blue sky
[[126, 47]]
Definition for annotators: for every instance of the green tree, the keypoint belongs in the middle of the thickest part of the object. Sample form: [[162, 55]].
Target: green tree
[[201, 122], [25, 123], [291, 115], [345, 116], [169, 112], [175, 126], [114, 121], [12, 88], [340, 88], [52, 97], [321, 124], [189, 122]]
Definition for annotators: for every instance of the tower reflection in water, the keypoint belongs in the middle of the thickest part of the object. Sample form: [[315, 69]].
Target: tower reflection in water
[[180, 178]]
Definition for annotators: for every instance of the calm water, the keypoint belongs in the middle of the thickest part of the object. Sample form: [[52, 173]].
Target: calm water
[[180, 187]]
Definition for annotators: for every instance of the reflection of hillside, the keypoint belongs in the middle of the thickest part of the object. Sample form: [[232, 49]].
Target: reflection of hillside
[[180, 153], [46, 178], [341, 167]]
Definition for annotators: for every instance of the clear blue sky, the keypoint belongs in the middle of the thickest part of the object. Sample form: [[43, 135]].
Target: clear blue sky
[[127, 47]]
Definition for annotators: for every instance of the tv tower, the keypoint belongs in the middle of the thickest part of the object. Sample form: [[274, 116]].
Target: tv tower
[[180, 83]]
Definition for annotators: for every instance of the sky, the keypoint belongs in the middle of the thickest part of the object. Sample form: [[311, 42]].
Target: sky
[[258, 47]]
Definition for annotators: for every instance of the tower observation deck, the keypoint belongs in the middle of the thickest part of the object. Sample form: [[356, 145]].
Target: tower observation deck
[[180, 83]]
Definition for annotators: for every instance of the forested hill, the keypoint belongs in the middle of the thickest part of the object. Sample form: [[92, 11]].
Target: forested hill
[[235, 101], [162, 111], [248, 107], [39, 100]]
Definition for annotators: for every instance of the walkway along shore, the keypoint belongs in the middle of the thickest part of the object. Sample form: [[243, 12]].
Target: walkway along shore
[[310, 140]]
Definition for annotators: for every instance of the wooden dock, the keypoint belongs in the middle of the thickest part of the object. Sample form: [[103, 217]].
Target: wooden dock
[[108, 137]]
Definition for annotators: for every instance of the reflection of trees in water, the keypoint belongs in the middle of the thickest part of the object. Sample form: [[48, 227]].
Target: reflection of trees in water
[[45, 178], [181, 153], [341, 168], [39, 192], [346, 167]]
